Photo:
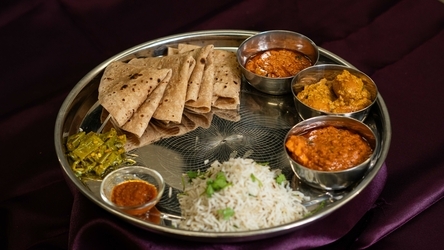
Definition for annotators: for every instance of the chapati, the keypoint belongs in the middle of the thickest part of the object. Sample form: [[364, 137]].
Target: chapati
[[227, 80], [155, 131], [193, 84], [200, 85], [227, 114], [173, 101], [138, 123], [158, 130], [203, 101], [123, 88], [196, 79]]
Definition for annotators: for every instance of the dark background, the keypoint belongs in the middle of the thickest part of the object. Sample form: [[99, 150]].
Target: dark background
[[47, 46]]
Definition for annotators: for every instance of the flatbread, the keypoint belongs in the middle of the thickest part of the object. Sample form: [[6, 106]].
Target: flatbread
[[172, 51], [155, 131], [158, 130], [195, 83], [123, 88], [203, 101], [223, 72], [227, 80], [227, 114], [200, 85], [173, 101], [198, 119], [138, 123]]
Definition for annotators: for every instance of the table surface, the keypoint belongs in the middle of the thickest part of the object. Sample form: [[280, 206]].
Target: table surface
[[48, 46]]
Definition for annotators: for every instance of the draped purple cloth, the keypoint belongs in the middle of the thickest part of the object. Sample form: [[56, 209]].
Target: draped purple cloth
[[47, 46]]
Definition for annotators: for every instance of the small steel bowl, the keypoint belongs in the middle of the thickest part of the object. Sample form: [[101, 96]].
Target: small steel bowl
[[314, 74], [132, 173], [333, 180], [274, 39]]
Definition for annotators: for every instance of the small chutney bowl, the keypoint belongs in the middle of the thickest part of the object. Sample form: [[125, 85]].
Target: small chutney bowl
[[133, 189], [326, 179], [270, 40], [314, 74]]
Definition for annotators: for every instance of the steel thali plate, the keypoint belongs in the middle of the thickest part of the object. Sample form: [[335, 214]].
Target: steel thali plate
[[255, 131]]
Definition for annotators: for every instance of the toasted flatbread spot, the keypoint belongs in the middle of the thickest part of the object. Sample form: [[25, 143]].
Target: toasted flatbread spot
[[182, 66], [114, 92]]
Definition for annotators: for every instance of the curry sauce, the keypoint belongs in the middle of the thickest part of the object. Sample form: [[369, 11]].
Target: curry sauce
[[328, 149], [278, 63], [133, 193], [343, 94]]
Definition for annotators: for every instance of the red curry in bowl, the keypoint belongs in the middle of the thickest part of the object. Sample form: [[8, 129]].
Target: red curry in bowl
[[133, 193], [278, 63], [328, 148], [132, 189]]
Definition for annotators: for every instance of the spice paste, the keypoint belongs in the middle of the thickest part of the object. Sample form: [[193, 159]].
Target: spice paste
[[345, 93], [328, 149], [277, 63], [133, 193]]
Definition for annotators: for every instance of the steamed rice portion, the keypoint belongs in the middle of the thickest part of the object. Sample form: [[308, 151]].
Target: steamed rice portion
[[253, 194]]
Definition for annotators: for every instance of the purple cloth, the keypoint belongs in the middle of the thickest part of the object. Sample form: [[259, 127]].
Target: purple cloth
[[47, 46]]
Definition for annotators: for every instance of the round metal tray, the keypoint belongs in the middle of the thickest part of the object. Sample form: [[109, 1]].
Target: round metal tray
[[257, 133]]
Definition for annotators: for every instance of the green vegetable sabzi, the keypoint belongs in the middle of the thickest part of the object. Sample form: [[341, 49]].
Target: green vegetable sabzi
[[92, 154]]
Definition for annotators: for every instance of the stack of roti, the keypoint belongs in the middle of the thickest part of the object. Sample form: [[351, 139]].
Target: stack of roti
[[218, 83], [157, 97]]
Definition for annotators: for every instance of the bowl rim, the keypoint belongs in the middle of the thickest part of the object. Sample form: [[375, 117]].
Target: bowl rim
[[155, 200]]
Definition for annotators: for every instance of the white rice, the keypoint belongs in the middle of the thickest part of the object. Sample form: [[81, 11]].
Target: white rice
[[257, 204]]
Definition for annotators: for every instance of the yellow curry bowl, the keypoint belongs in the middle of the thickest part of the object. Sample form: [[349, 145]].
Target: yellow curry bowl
[[330, 89]]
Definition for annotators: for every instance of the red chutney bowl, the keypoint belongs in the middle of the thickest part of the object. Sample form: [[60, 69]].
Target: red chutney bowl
[[133, 190]]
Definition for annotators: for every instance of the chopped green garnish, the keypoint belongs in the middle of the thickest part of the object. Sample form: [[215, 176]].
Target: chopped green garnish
[[217, 184], [182, 178], [192, 174], [254, 179], [209, 190], [280, 179], [226, 213], [317, 209], [220, 182]]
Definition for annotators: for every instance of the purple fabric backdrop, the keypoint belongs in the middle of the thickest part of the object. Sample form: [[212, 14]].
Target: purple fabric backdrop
[[47, 46]]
